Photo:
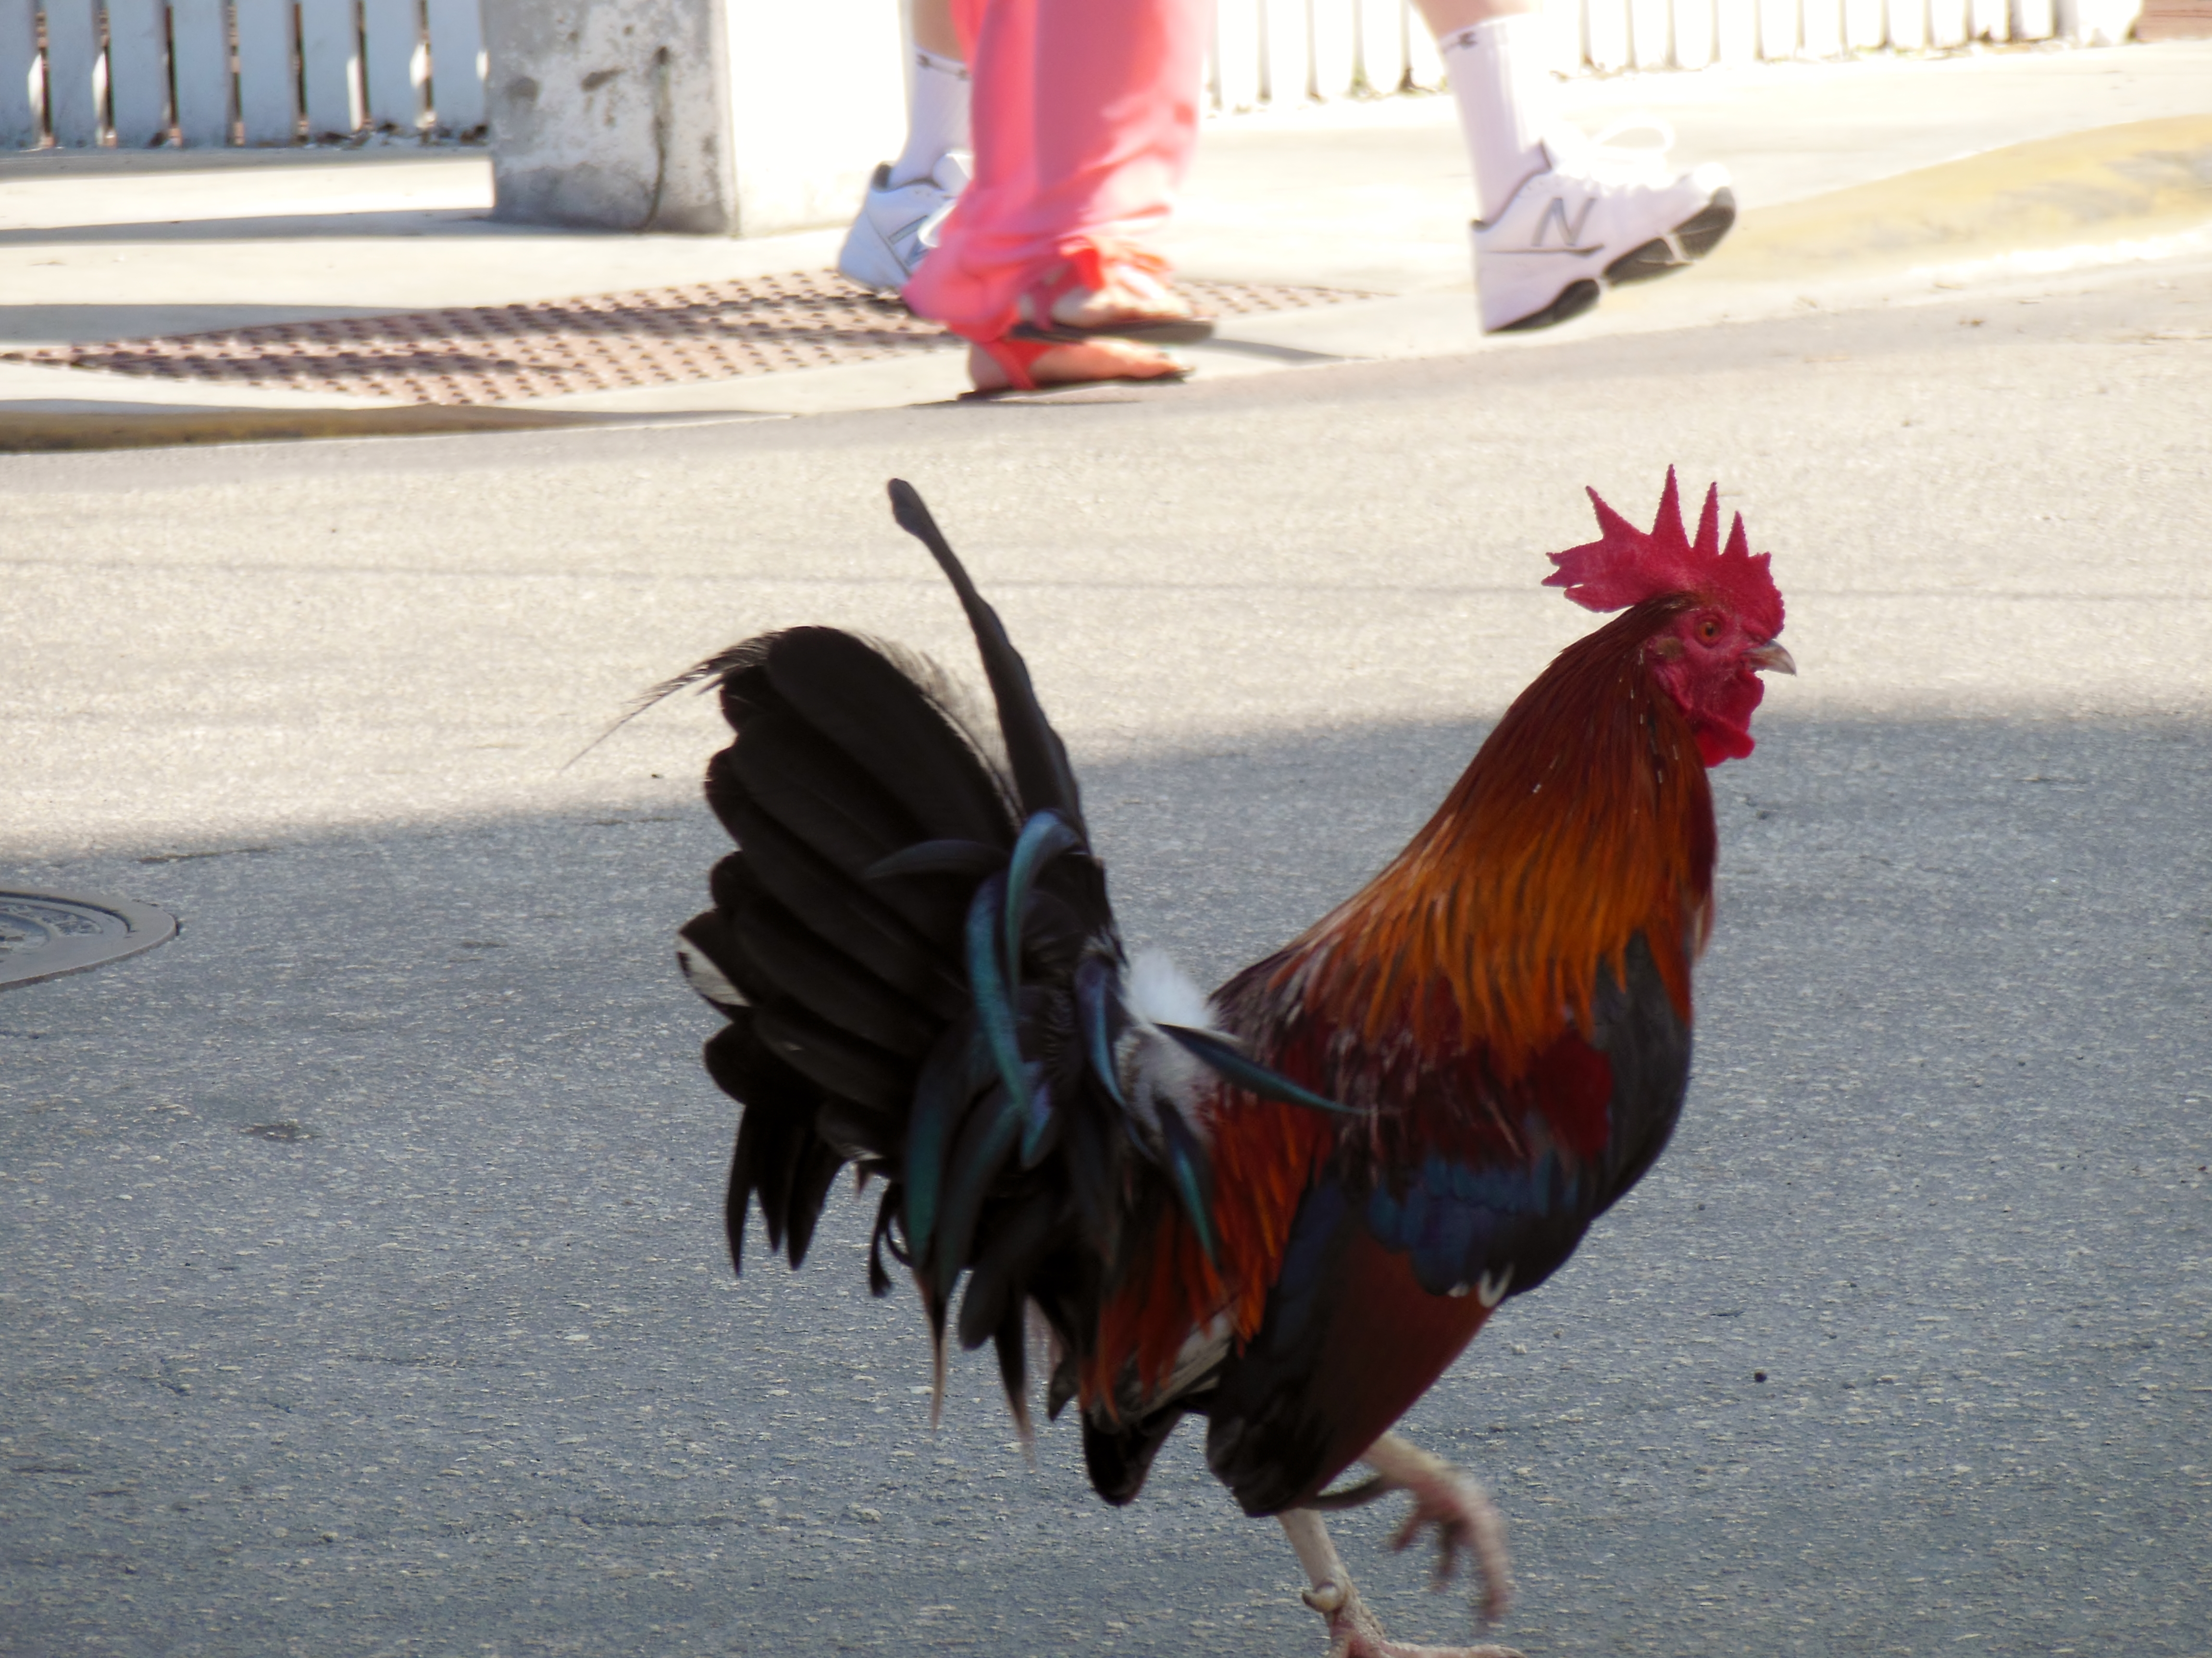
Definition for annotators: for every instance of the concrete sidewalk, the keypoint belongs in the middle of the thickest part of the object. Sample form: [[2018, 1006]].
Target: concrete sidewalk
[[1865, 183]]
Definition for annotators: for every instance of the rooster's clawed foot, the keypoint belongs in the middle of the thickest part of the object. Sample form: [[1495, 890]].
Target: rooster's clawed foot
[[1442, 1499], [1353, 1632], [1456, 1506]]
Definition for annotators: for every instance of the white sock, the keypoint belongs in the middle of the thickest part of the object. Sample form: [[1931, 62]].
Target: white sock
[[937, 116], [1505, 101]]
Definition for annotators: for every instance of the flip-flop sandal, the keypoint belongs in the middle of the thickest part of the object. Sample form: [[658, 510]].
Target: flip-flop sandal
[[1145, 331], [1001, 393], [1018, 356]]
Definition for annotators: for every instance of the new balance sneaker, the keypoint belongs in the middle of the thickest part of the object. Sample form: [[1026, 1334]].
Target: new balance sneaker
[[898, 225], [1596, 218]]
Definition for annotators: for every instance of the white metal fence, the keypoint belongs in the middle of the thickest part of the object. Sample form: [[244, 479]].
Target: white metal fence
[[135, 73], [1273, 51]]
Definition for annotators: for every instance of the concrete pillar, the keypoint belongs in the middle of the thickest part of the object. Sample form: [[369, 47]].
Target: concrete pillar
[[735, 117]]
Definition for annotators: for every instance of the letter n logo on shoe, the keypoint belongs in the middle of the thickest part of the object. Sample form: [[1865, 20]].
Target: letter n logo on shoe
[[1571, 233]]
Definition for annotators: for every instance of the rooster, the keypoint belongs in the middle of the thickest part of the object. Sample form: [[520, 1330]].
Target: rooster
[[1286, 1208]]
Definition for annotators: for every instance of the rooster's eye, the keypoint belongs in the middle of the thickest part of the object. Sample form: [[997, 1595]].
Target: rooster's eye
[[1709, 629]]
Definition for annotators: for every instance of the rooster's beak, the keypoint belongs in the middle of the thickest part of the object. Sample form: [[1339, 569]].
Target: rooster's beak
[[1772, 657]]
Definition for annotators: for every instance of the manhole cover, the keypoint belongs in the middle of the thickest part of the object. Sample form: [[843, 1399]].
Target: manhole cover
[[43, 936], [604, 343]]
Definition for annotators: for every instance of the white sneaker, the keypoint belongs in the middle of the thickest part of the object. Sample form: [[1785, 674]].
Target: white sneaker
[[897, 227], [1597, 216]]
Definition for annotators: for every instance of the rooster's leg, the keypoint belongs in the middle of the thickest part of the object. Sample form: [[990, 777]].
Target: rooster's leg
[[1353, 1632], [1447, 1499]]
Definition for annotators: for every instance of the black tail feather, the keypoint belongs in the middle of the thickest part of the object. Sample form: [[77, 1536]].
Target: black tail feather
[[852, 694], [817, 1168], [921, 972], [1004, 1262], [1117, 1458], [829, 983], [1041, 773], [1013, 1368], [833, 1060]]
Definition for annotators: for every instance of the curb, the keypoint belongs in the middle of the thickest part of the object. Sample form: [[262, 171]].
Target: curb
[[2140, 189], [137, 428], [2133, 183]]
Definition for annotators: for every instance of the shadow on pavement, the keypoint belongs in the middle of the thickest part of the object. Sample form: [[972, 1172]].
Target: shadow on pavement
[[366, 1294], [403, 224]]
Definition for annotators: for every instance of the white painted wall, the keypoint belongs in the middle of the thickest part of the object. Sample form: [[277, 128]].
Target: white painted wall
[[802, 146]]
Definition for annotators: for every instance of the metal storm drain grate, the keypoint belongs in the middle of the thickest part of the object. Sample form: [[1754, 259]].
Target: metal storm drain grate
[[656, 336], [43, 936]]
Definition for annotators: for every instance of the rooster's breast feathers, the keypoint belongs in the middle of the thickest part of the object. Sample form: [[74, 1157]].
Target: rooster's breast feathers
[[1506, 1007]]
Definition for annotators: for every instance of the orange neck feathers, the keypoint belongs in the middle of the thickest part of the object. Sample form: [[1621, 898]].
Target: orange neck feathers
[[1584, 820]]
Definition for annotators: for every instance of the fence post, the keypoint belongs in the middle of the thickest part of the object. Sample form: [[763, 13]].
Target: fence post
[[1605, 25], [72, 69], [1382, 45], [1236, 53], [457, 95], [268, 84], [1697, 30], [1866, 24], [1425, 64], [1736, 32], [22, 121], [1283, 66], [393, 32], [330, 55], [1822, 21], [200, 31], [138, 72], [1562, 34], [1334, 26]]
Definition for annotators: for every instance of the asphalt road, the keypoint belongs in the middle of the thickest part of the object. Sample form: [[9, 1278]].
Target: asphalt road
[[362, 1285]]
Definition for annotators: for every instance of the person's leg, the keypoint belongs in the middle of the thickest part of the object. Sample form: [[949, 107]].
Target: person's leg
[[909, 197], [936, 103], [1561, 219], [1065, 181], [930, 22], [1494, 59]]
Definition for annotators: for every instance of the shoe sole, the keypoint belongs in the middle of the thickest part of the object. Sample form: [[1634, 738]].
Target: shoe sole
[[1570, 302], [1695, 236]]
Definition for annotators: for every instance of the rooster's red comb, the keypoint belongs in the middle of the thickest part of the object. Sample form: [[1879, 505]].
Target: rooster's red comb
[[1623, 566]]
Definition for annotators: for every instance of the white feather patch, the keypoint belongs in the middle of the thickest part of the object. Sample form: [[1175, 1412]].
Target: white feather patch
[[710, 980], [1163, 994], [1153, 1065]]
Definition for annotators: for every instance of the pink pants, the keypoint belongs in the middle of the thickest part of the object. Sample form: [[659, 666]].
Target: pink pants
[[1084, 114]]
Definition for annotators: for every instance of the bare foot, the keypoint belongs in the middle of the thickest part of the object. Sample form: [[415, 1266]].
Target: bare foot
[[1132, 294], [1077, 363], [1126, 296]]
